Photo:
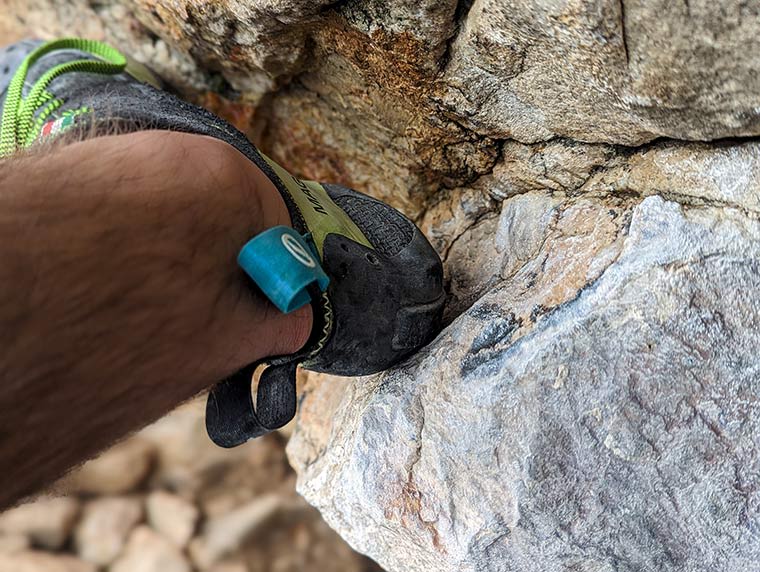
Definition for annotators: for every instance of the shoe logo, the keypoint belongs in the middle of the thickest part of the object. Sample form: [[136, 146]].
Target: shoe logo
[[298, 251], [316, 205]]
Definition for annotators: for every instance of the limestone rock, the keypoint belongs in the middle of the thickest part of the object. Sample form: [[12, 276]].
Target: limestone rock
[[46, 521], [255, 43], [148, 551], [31, 561], [172, 516], [115, 22], [529, 70], [104, 527], [594, 410], [121, 469], [404, 99]]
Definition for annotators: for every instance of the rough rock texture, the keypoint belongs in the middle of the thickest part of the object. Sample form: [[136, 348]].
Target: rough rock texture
[[402, 99], [608, 426], [620, 71], [589, 171]]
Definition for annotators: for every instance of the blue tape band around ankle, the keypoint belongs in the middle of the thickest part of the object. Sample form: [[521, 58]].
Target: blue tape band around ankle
[[283, 264]]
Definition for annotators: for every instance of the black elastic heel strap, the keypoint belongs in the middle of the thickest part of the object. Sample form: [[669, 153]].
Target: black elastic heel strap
[[231, 417]]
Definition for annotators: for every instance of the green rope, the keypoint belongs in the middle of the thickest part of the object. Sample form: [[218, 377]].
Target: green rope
[[18, 126]]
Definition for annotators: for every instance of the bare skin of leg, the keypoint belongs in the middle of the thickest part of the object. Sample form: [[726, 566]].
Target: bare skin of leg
[[120, 296]]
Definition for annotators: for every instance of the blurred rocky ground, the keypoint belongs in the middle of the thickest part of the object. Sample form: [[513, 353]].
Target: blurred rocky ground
[[589, 171], [168, 500]]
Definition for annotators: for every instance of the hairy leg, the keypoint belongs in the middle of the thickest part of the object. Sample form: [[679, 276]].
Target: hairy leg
[[120, 296]]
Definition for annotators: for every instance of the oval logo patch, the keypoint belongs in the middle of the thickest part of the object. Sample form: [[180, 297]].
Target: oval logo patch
[[298, 251]]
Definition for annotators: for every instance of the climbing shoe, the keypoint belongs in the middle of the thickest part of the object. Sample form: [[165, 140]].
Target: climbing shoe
[[374, 283]]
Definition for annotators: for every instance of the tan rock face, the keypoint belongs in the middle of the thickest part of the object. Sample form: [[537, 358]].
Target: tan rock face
[[10, 543], [121, 470], [30, 561], [225, 534], [237, 37], [172, 516], [403, 99], [46, 521], [104, 528], [148, 551], [230, 566]]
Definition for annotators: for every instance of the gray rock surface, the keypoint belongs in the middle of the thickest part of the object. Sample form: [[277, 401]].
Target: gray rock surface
[[531, 70], [610, 426]]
